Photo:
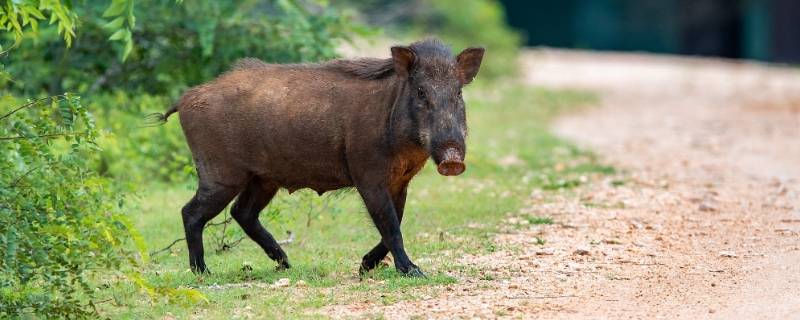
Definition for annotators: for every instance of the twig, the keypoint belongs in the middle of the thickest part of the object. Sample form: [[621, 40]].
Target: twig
[[31, 103], [227, 246], [60, 134], [288, 240], [309, 213], [153, 253], [221, 245], [94, 304], [103, 301], [17, 180], [235, 243], [226, 221]]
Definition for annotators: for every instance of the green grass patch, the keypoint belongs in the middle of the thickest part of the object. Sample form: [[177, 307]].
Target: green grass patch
[[510, 153], [539, 220]]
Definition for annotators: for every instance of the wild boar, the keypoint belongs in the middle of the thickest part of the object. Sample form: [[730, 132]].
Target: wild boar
[[365, 123]]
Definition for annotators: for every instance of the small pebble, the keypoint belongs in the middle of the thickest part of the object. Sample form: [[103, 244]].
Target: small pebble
[[281, 283], [707, 207]]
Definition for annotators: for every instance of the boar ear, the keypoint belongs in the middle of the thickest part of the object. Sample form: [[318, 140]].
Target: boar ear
[[404, 59], [468, 62]]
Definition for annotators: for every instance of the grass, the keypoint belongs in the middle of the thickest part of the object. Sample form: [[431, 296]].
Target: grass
[[539, 220], [510, 153]]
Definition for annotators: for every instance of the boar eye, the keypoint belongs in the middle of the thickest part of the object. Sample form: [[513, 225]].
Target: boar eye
[[420, 93], [459, 93]]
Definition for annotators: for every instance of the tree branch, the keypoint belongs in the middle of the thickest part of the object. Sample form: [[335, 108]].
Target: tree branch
[[34, 102], [288, 240], [17, 180], [153, 253], [50, 135]]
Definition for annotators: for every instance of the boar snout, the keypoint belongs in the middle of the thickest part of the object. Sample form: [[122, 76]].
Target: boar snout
[[451, 162]]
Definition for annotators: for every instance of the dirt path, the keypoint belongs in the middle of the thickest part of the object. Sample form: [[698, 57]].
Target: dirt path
[[714, 150], [706, 225]]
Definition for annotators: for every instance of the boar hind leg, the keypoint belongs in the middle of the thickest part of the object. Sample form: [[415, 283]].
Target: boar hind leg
[[246, 211], [206, 204], [374, 257]]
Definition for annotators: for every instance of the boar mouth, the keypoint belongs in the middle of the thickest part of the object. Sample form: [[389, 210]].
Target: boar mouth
[[450, 161]]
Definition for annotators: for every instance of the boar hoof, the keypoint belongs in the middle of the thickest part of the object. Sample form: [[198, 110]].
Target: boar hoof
[[363, 270], [412, 271], [202, 270], [283, 265]]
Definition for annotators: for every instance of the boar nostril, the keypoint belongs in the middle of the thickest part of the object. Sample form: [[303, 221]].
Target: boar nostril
[[451, 168], [451, 162]]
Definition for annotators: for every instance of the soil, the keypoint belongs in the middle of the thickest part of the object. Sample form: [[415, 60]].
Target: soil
[[702, 222]]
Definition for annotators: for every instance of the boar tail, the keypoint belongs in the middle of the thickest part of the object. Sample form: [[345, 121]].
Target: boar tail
[[157, 119]]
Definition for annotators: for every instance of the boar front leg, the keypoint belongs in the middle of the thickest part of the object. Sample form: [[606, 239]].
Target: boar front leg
[[378, 201], [374, 257]]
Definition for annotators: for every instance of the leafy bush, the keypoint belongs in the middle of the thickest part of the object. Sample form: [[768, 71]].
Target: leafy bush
[[60, 222], [174, 45], [132, 152]]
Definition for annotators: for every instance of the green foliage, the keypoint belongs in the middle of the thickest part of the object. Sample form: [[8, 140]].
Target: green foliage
[[122, 23], [17, 17], [174, 46], [133, 153], [59, 221]]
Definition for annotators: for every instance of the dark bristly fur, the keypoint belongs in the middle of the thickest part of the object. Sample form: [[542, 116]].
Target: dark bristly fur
[[364, 68], [369, 124]]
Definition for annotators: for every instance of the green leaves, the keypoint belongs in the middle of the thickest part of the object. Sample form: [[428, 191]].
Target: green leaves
[[122, 24], [59, 221], [17, 16], [168, 46], [115, 24], [120, 35], [117, 7]]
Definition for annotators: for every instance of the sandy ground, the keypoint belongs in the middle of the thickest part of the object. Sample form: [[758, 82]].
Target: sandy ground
[[706, 225]]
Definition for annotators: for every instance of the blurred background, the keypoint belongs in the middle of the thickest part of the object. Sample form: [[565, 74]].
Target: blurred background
[[764, 30], [740, 29]]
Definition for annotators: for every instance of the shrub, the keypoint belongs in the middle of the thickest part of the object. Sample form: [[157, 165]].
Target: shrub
[[60, 223], [133, 152], [175, 45]]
